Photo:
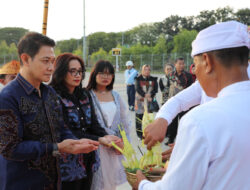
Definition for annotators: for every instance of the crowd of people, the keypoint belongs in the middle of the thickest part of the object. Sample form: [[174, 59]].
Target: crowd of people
[[56, 134], [142, 89]]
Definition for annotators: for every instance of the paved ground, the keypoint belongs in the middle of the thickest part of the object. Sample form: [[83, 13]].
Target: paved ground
[[120, 87]]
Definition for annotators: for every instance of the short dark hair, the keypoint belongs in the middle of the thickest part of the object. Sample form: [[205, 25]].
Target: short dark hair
[[101, 66], [61, 69], [32, 42], [231, 56], [179, 59]]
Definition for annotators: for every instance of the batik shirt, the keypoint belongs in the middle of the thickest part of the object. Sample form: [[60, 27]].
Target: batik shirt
[[178, 82], [29, 125], [144, 85], [164, 86], [80, 117]]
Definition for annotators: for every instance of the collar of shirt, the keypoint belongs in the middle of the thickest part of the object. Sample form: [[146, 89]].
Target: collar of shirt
[[28, 88], [176, 74], [235, 88]]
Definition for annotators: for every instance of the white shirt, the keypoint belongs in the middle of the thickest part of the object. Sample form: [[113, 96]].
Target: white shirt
[[212, 146], [187, 98], [109, 111]]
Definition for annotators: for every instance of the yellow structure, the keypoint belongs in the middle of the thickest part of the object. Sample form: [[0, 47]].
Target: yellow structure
[[45, 16], [10, 68]]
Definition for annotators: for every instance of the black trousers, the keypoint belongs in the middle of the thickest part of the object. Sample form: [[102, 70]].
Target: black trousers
[[85, 183], [77, 185], [138, 125], [131, 95]]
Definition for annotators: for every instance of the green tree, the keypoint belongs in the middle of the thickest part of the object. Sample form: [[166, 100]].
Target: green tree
[[4, 48], [171, 25], [78, 51], [224, 14], [96, 41], [57, 51], [68, 45], [243, 15], [204, 19], [160, 46], [183, 40], [145, 34], [13, 49], [12, 34], [100, 54]]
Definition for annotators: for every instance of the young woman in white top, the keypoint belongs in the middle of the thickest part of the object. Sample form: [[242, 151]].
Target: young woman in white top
[[111, 111]]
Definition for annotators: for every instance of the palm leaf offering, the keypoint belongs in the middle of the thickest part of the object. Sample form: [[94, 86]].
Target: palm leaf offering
[[128, 152], [150, 162]]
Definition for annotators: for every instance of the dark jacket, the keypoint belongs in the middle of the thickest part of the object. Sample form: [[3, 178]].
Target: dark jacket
[[29, 125], [142, 82], [79, 115]]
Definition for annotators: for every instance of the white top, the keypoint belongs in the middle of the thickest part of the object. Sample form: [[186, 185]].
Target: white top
[[212, 146], [108, 110], [187, 98]]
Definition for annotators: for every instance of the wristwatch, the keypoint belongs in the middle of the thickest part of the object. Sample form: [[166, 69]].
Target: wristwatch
[[55, 151]]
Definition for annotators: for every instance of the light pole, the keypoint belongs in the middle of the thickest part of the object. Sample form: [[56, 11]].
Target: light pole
[[84, 36]]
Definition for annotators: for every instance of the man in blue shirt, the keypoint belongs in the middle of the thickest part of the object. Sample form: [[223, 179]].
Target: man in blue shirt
[[32, 130], [130, 75]]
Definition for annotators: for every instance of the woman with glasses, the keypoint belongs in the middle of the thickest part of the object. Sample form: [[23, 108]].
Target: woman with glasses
[[80, 117], [111, 111]]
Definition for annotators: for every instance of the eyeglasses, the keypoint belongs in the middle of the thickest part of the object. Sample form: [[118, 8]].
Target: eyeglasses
[[105, 75], [75, 72]]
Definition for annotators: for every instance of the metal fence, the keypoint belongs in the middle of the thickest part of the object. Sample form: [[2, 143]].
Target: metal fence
[[156, 61], [7, 58]]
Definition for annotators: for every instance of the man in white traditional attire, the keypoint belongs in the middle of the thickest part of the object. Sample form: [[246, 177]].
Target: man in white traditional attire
[[183, 101], [212, 146]]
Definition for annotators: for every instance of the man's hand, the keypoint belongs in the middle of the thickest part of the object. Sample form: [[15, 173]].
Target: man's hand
[[166, 154], [155, 132], [139, 177], [72, 146]]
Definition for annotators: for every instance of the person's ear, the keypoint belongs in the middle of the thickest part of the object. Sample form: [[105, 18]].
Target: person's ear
[[209, 63], [25, 58]]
